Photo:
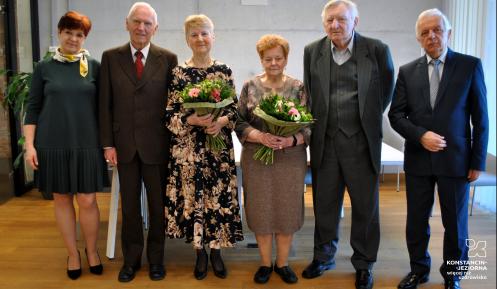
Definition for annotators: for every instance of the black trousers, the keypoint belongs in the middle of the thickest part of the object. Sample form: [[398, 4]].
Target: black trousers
[[346, 164], [130, 178], [453, 194]]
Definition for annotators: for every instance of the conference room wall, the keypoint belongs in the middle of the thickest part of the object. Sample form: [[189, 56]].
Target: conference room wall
[[239, 26]]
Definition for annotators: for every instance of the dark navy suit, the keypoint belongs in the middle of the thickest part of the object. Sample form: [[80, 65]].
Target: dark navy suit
[[460, 103]]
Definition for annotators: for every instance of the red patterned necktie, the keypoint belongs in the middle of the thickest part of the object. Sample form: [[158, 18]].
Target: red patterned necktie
[[139, 64]]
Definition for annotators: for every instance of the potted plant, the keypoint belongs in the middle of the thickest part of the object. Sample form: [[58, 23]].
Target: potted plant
[[15, 97]]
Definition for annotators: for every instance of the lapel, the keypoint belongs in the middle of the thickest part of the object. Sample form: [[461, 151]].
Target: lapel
[[151, 65], [447, 73], [421, 74], [323, 63], [363, 70], [126, 62]]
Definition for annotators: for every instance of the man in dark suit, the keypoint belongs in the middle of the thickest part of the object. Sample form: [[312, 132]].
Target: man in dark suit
[[349, 79], [133, 93], [437, 98]]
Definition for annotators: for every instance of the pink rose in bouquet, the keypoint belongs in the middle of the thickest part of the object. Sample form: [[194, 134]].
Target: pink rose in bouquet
[[209, 97]]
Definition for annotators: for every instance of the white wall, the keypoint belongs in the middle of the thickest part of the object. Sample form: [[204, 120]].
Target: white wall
[[239, 26]]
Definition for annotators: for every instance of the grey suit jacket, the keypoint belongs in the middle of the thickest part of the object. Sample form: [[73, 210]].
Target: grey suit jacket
[[131, 111], [375, 84]]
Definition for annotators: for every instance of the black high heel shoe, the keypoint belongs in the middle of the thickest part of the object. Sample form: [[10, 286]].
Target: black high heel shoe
[[97, 269], [74, 273], [218, 264], [200, 271]]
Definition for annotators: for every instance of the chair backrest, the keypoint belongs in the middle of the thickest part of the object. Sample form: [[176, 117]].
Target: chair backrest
[[485, 179]]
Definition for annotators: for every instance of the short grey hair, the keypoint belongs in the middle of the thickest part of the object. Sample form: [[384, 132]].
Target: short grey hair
[[351, 6], [142, 4], [433, 12]]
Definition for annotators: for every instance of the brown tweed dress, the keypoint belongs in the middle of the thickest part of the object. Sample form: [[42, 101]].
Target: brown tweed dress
[[273, 194]]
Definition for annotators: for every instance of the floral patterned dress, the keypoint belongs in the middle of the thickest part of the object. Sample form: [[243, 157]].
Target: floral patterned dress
[[201, 194]]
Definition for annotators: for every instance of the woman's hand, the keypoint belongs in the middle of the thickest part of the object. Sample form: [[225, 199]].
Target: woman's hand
[[217, 125], [194, 119], [285, 142], [269, 140], [31, 157]]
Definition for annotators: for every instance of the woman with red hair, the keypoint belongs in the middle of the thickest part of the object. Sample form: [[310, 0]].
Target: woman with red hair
[[62, 144]]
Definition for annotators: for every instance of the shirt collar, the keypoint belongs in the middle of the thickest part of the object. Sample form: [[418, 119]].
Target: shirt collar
[[350, 46], [441, 57], [144, 50]]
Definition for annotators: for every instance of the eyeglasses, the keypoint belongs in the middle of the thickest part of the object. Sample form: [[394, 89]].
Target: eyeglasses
[[436, 31]]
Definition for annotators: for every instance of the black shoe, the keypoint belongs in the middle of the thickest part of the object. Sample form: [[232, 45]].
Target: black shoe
[[218, 264], [363, 279], [156, 272], [200, 271], [452, 284], [317, 268], [97, 269], [74, 273], [286, 273], [262, 275], [127, 273], [449, 283], [412, 280]]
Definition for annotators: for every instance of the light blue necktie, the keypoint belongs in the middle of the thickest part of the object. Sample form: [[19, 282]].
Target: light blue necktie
[[434, 81]]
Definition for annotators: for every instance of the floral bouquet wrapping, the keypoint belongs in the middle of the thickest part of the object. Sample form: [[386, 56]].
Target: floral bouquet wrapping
[[283, 117], [209, 96]]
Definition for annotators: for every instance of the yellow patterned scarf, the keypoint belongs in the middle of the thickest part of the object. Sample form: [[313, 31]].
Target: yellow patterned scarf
[[82, 57]]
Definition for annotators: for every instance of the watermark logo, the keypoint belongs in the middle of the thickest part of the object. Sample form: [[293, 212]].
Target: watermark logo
[[476, 248]]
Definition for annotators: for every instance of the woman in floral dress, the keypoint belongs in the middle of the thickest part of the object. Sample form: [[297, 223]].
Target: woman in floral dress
[[201, 195]]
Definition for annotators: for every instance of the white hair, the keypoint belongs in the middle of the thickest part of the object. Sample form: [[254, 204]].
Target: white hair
[[142, 4], [433, 12], [351, 6]]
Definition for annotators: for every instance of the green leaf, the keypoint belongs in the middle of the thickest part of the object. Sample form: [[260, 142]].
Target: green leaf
[[18, 160], [21, 141], [221, 104]]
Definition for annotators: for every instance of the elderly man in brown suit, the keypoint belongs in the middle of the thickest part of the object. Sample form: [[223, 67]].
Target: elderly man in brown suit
[[133, 93]]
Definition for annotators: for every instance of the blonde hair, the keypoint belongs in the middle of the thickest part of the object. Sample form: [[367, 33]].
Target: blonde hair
[[270, 41], [198, 21]]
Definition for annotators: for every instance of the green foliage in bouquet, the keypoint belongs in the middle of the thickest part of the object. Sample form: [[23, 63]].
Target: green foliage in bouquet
[[209, 97], [282, 117], [212, 91], [284, 109]]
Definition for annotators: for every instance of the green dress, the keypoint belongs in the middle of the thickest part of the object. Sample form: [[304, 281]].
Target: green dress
[[63, 106]]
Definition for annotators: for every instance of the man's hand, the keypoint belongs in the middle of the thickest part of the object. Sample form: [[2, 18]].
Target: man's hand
[[433, 142], [473, 175], [110, 155]]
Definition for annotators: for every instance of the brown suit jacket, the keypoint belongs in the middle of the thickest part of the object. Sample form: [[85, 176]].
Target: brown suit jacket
[[131, 111]]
